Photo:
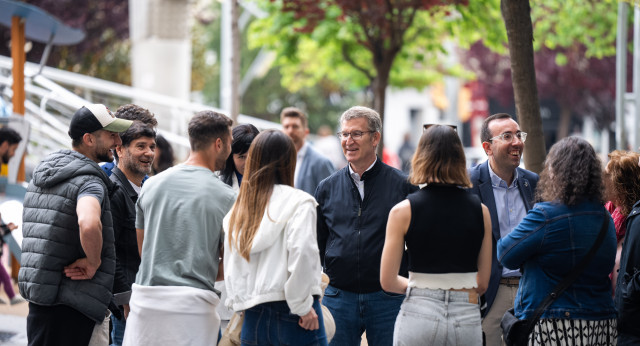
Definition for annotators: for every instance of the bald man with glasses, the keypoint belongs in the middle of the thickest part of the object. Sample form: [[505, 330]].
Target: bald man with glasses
[[508, 191]]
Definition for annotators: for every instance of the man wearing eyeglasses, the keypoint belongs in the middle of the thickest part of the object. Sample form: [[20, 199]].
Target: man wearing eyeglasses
[[508, 192], [354, 205]]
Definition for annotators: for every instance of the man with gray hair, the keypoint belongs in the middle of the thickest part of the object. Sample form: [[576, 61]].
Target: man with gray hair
[[354, 204]]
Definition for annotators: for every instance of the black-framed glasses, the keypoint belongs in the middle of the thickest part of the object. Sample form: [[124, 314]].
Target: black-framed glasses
[[509, 136], [426, 126], [355, 135]]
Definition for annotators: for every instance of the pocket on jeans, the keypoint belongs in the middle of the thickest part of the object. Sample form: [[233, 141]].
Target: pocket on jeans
[[250, 327], [415, 328], [332, 292], [392, 295]]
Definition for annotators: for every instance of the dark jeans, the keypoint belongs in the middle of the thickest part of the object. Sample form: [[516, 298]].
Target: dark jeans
[[355, 313], [58, 325], [273, 324]]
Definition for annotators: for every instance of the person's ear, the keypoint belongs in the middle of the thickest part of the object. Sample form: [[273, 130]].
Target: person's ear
[[120, 150], [88, 139], [487, 148]]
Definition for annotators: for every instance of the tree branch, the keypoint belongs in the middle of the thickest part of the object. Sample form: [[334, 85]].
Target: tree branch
[[348, 59]]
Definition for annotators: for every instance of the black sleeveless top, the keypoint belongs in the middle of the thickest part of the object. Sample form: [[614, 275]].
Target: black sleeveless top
[[446, 230]]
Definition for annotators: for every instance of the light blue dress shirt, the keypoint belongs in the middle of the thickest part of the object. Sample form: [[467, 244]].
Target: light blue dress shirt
[[510, 208]]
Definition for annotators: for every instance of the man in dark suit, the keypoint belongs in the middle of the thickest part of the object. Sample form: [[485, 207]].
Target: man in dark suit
[[508, 192], [311, 166]]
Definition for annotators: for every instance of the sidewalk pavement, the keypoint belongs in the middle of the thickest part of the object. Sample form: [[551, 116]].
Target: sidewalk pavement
[[13, 322]]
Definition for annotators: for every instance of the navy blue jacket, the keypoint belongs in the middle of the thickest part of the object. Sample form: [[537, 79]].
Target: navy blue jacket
[[351, 231], [482, 188], [627, 297]]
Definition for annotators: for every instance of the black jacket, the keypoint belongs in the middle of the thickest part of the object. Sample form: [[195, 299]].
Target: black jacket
[[627, 296], [351, 231], [123, 211]]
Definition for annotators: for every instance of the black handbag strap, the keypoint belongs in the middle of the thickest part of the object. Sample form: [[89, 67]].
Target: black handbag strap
[[577, 270]]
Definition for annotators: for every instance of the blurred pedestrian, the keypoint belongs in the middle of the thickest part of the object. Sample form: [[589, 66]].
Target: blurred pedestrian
[[449, 256], [354, 205], [179, 229], [311, 166], [68, 256], [553, 238], [508, 191], [406, 151], [622, 182], [233, 171], [272, 229], [9, 141], [328, 145]]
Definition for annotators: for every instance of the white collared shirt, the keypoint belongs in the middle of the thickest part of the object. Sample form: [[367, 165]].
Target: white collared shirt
[[357, 179], [300, 157]]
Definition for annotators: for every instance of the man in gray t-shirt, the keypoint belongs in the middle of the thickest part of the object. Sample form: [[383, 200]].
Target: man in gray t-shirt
[[179, 228]]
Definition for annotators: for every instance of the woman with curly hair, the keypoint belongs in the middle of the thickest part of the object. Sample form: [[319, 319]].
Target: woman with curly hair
[[553, 238], [622, 181]]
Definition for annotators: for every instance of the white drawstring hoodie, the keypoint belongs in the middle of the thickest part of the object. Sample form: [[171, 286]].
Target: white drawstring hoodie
[[284, 262]]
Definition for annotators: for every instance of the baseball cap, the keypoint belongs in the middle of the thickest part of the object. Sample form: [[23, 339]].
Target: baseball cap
[[94, 117]]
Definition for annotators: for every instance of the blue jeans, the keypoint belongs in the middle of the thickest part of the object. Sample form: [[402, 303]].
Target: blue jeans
[[117, 332], [355, 313], [437, 317], [273, 324]]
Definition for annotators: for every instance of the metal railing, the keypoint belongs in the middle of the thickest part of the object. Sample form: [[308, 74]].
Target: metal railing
[[54, 95]]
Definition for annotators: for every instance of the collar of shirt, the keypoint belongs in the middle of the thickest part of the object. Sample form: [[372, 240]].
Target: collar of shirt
[[356, 176], [496, 181], [136, 188], [303, 151]]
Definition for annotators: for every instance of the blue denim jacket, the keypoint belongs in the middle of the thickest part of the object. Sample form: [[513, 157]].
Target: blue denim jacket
[[548, 243]]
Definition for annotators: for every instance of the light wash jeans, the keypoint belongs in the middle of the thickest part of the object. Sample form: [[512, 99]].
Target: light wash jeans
[[437, 317]]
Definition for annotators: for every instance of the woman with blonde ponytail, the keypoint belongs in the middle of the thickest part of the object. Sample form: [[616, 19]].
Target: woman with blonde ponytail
[[272, 267]]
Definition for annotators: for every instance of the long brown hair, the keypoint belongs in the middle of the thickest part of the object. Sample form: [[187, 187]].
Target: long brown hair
[[271, 160]]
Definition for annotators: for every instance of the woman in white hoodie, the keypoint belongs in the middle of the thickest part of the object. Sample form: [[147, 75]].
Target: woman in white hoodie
[[271, 262]]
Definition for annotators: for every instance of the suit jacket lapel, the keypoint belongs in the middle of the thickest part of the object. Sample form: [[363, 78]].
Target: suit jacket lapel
[[525, 190], [486, 194]]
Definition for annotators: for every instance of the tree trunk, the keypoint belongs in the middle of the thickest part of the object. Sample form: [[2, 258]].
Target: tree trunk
[[565, 122], [517, 20], [379, 87]]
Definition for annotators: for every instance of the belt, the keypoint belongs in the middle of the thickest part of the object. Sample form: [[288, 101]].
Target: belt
[[510, 281], [473, 295]]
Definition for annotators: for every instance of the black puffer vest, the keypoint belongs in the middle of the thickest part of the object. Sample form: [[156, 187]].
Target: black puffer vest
[[52, 237]]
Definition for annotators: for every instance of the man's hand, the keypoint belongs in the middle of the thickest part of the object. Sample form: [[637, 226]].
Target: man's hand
[[11, 226], [309, 321], [81, 269], [126, 311]]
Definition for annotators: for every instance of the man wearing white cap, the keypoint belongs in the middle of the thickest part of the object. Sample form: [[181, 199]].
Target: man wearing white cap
[[68, 256]]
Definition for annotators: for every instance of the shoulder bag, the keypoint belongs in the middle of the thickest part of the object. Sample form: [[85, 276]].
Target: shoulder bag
[[515, 332]]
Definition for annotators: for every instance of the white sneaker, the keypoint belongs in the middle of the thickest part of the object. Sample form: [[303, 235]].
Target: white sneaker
[[2, 301], [17, 300]]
